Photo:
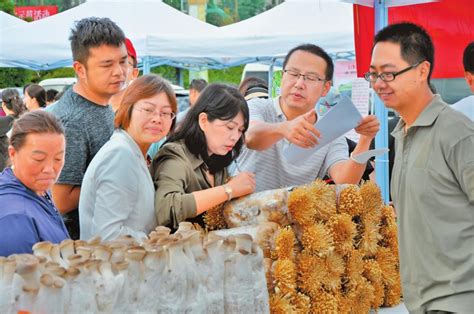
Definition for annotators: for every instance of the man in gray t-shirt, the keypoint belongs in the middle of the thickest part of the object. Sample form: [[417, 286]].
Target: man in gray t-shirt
[[88, 126], [275, 123], [100, 63]]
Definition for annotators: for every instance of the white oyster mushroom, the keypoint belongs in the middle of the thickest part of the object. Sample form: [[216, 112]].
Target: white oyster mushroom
[[7, 271], [260, 290], [238, 277], [102, 253], [55, 254], [51, 296], [135, 284], [43, 249], [215, 282], [82, 295], [67, 248], [173, 290], [27, 269], [108, 286], [155, 263]]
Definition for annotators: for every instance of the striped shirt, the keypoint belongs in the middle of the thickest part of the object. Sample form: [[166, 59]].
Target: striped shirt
[[270, 166]]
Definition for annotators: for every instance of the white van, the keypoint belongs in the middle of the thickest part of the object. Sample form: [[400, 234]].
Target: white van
[[258, 70], [61, 83], [58, 84]]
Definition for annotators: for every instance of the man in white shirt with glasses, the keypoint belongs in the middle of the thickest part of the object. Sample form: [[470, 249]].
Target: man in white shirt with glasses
[[289, 119]]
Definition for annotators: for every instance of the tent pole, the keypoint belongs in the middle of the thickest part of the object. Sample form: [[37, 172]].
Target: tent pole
[[270, 77], [381, 139], [146, 65]]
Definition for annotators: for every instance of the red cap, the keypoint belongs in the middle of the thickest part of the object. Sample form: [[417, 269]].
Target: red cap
[[130, 49]]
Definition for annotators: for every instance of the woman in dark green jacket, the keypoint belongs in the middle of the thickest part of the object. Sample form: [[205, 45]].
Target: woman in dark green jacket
[[190, 170]]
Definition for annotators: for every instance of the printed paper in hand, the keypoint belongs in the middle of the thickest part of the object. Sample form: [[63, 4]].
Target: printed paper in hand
[[340, 119], [361, 99]]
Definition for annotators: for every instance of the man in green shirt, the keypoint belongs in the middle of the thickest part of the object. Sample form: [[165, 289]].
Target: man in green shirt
[[433, 176]]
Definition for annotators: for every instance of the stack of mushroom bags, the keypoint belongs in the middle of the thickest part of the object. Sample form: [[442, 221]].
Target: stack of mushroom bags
[[327, 249], [189, 271]]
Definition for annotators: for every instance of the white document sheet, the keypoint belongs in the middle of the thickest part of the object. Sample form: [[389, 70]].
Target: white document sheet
[[340, 119], [361, 98]]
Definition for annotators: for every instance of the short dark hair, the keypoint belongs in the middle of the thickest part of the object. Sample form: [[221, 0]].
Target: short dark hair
[[59, 95], [37, 92], [51, 94], [468, 58], [317, 51], [415, 43], [93, 32], [26, 86], [218, 101], [34, 122], [198, 84], [143, 87], [11, 99], [252, 82]]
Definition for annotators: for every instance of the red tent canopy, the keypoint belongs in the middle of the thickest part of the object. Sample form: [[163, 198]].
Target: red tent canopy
[[450, 24]]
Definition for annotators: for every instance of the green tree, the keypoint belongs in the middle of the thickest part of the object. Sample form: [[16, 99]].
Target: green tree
[[166, 72], [229, 75], [250, 8], [10, 77], [218, 16], [174, 3], [7, 6]]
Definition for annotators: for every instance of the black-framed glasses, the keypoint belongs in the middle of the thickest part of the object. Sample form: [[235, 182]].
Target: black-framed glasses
[[295, 75], [387, 76]]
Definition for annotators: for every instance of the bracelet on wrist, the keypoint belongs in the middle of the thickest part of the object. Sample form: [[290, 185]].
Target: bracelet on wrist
[[228, 191]]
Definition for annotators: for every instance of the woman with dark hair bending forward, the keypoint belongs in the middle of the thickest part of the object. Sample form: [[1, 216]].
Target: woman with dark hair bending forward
[[190, 170]]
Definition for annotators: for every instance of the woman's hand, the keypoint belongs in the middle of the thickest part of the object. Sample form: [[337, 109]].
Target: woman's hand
[[242, 184]]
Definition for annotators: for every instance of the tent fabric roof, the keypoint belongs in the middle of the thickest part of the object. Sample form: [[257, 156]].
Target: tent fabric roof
[[7, 20], [44, 44], [163, 35], [328, 23]]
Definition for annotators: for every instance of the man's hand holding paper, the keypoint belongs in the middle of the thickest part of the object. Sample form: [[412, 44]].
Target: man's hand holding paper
[[368, 127], [301, 131], [340, 119]]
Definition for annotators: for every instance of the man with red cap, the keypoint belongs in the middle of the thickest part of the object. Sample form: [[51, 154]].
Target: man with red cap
[[132, 74]]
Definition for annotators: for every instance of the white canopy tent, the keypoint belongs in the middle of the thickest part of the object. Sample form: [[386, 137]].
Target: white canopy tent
[[44, 44], [163, 35], [7, 20], [328, 23]]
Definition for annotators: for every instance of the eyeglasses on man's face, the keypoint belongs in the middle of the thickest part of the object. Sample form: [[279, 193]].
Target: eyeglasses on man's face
[[309, 78], [372, 77], [149, 112]]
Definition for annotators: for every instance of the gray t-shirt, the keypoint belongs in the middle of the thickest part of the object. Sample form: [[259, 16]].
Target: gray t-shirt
[[271, 168], [88, 127]]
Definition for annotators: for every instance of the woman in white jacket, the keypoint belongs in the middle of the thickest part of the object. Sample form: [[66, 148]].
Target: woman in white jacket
[[117, 194]]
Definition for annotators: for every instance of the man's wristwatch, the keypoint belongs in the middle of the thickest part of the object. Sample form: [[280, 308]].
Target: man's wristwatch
[[228, 191]]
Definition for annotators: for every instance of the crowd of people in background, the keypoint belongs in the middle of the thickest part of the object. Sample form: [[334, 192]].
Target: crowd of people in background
[[113, 156]]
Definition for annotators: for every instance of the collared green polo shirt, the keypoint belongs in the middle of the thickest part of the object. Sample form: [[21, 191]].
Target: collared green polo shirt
[[433, 193]]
